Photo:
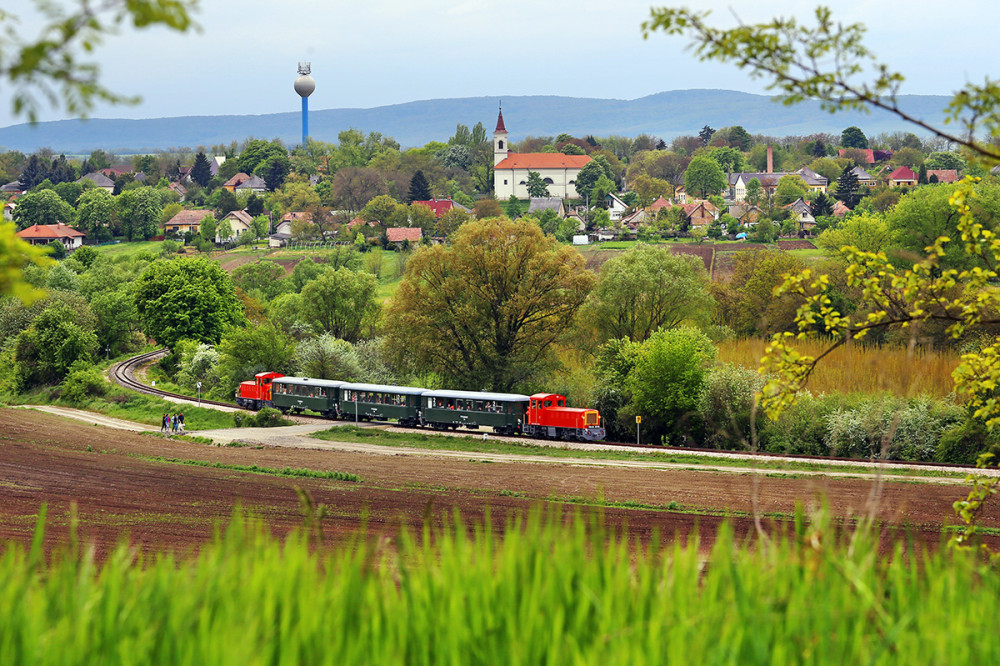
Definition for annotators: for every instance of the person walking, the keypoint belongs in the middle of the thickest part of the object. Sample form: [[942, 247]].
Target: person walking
[[164, 422], [180, 422]]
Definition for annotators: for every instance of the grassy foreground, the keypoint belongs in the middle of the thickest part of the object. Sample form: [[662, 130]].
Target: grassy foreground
[[545, 593]]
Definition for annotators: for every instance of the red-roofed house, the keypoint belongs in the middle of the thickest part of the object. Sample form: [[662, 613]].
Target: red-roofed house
[[903, 176], [942, 175], [43, 234], [236, 181], [399, 234], [441, 206], [186, 220], [510, 170], [701, 213]]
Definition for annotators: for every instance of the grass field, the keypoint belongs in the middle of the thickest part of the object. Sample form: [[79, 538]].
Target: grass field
[[125, 249], [856, 368], [545, 592]]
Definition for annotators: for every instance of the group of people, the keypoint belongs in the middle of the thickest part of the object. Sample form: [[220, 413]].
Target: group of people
[[172, 423]]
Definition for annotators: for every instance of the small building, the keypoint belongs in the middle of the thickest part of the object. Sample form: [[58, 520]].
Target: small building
[[902, 177], [616, 207], [864, 178], [13, 187], [399, 235], [442, 206], [213, 166], [8, 210], [179, 189], [43, 234], [239, 220], [236, 181], [254, 184], [538, 204], [184, 221], [942, 175], [801, 213], [98, 179]]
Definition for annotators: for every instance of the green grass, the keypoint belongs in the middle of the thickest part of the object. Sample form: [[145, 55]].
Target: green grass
[[124, 248], [475, 444], [543, 592], [256, 469]]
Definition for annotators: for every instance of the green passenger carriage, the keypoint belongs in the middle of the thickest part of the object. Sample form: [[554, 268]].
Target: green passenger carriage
[[296, 394], [504, 412], [377, 402]]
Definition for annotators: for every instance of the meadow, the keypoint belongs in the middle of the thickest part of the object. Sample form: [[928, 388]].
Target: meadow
[[547, 591]]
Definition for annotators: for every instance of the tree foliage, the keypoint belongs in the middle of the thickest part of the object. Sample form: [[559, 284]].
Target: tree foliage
[[186, 298], [139, 212], [485, 311], [704, 177], [536, 186], [339, 302], [42, 207], [645, 289]]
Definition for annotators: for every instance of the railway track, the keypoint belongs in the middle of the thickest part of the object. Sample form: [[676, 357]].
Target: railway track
[[123, 373]]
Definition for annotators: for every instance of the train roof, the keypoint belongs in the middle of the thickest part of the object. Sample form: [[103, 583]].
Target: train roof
[[383, 388], [306, 381], [473, 395]]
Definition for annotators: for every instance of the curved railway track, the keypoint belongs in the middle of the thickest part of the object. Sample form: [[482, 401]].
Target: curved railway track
[[123, 373]]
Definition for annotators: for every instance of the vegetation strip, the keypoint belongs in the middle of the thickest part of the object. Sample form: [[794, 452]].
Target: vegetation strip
[[256, 469], [475, 445]]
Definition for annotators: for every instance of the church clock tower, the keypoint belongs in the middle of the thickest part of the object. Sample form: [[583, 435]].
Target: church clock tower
[[500, 148]]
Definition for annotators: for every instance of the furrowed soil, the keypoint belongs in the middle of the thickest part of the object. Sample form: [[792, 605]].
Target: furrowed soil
[[123, 489]]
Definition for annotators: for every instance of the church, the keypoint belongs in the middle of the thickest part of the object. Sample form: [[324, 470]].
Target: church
[[510, 170]]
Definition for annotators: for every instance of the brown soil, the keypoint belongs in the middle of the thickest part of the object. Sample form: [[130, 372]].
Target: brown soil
[[120, 490]]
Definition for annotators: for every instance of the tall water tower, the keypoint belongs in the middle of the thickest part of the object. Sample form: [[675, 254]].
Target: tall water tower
[[304, 86]]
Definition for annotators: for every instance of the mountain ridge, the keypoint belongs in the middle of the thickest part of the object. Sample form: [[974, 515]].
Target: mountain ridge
[[667, 114]]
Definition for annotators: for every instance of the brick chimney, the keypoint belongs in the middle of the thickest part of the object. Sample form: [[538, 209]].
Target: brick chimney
[[770, 159]]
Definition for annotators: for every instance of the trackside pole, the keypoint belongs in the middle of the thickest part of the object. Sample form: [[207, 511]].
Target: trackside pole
[[638, 420]]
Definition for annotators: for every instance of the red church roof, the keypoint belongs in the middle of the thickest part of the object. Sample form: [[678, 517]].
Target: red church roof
[[536, 161], [53, 231], [500, 127]]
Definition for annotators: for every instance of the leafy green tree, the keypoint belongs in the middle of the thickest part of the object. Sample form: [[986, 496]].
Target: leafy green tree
[[536, 186], [186, 298], [790, 189], [201, 172], [485, 311], [729, 159], [54, 341], [755, 192], [226, 202], [703, 177], [69, 191], [117, 320], [264, 277], [649, 189], [645, 289], [420, 189], [853, 137], [945, 160], [139, 212], [868, 233], [226, 232], [487, 208], [340, 302], [746, 302], [512, 207], [42, 207], [209, 225], [589, 175], [667, 380], [256, 152], [56, 250], [244, 352], [86, 255], [602, 188], [305, 272], [274, 169], [327, 357]]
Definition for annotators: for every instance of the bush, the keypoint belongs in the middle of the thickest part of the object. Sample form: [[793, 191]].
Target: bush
[[268, 417], [83, 382], [726, 404], [962, 442]]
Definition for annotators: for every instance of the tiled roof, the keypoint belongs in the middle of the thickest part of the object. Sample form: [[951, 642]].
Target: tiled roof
[[658, 204], [240, 216], [252, 183], [868, 152], [537, 161], [400, 234], [188, 217], [53, 231], [236, 180], [943, 175], [903, 173], [500, 126], [297, 215], [440, 206], [98, 179]]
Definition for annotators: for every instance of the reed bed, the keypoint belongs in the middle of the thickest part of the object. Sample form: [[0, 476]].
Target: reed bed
[[856, 368], [547, 592]]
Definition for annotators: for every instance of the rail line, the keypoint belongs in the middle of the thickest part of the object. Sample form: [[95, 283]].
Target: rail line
[[123, 373]]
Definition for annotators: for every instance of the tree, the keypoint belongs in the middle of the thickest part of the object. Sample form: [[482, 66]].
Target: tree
[[485, 311], [256, 152], [645, 289], [117, 319], [274, 169], [868, 233], [420, 189], [512, 207], [186, 298], [386, 211], [139, 212], [353, 187], [54, 341], [487, 208], [42, 207], [649, 189], [706, 135], [243, 352], [339, 302], [591, 172], [703, 177], [853, 137], [790, 189], [209, 226], [943, 160], [225, 232], [305, 272], [226, 202], [201, 172], [327, 357], [822, 206], [847, 187], [263, 277], [747, 303], [50, 69], [729, 159], [450, 221], [536, 186], [755, 192]]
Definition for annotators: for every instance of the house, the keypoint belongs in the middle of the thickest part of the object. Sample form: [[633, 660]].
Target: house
[[13, 187], [8, 210], [399, 235], [801, 212], [510, 170], [661, 203], [942, 175], [442, 206], [213, 166], [745, 214], [284, 226], [538, 204], [616, 207], [98, 179], [43, 234], [235, 181], [239, 220], [114, 172], [902, 177], [840, 209], [179, 189], [186, 220], [680, 195], [769, 181], [254, 184], [864, 178], [700, 213]]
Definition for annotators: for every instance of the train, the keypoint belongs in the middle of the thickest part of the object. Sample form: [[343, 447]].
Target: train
[[543, 415]]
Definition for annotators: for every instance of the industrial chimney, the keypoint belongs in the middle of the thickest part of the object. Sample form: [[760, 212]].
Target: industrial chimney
[[304, 86]]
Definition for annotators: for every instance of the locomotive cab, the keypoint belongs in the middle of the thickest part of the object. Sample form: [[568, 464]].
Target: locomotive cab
[[550, 417], [256, 395]]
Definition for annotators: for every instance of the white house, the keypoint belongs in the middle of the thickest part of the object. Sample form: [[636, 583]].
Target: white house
[[43, 234], [510, 170], [239, 220], [616, 207]]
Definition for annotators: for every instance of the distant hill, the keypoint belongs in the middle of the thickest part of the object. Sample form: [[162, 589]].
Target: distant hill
[[666, 114]]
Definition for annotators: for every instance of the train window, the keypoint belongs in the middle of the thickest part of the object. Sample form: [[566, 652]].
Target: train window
[[548, 403], [560, 403]]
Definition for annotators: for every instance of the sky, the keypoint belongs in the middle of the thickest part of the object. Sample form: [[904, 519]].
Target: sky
[[243, 57]]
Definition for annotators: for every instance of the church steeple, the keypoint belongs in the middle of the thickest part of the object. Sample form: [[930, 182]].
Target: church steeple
[[500, 148]]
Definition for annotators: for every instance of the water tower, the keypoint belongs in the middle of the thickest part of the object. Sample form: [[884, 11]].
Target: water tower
[[304, 86]]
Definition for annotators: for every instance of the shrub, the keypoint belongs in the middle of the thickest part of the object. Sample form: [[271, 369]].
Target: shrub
[[726, 404], [83, 382], [268, 417]]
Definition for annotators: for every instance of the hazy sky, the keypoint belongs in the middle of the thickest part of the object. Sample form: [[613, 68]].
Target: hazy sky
[[376, 52]]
